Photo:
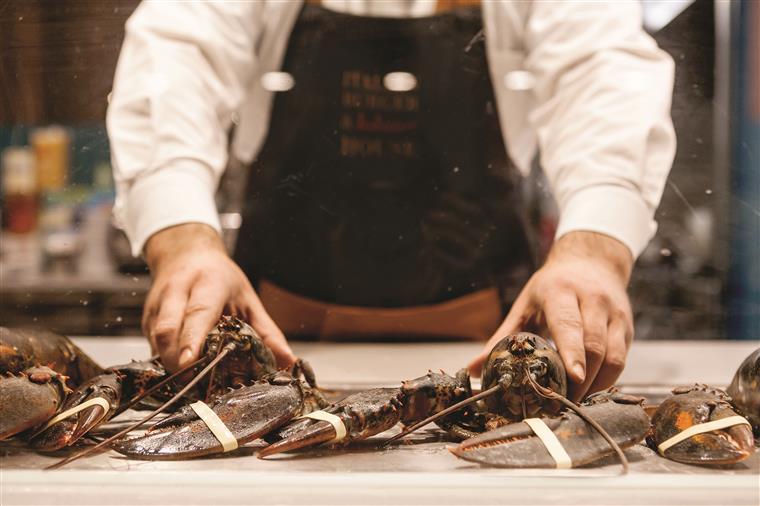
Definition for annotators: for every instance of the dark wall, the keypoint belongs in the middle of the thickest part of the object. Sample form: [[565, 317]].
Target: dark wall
[[57, 58]]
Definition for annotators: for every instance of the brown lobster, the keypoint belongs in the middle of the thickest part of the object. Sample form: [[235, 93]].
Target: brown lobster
[[43, 373], [523, 376], [692, 407], [55, 375]]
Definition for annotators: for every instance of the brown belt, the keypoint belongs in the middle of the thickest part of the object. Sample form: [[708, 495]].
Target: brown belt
[[472, 316]]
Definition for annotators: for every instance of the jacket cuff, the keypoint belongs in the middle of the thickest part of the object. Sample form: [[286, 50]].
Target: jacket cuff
[[618, 212], [167, 197]]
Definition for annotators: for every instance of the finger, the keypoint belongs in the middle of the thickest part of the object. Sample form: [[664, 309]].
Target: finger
[[270, 333], [150, 309], [594, 314], [614, 360], [518, 314], [204, 307], [563, 318], [167, 323]]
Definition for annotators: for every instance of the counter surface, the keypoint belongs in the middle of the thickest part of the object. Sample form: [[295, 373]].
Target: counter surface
[[423, 473]]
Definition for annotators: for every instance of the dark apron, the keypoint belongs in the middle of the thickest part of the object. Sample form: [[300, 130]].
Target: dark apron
[[362, 196]]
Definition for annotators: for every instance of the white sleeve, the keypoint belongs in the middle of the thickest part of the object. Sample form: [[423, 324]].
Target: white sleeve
[[602, 115], [184, 68]]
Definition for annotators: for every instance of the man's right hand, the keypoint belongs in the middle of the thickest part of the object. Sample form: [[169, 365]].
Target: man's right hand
[[194, 282]]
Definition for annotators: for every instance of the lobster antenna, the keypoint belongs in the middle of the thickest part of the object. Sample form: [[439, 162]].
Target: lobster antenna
[[456, 407], [137, 398], [228, 348], [551, 394]]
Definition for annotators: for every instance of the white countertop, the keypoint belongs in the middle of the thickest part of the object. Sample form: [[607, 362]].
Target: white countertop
[[419, 473]]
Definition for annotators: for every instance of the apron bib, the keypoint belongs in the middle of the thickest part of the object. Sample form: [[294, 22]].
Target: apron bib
[[383, 194]]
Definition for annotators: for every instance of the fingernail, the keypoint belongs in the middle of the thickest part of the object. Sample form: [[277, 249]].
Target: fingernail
[[579, 372], [185, 356]]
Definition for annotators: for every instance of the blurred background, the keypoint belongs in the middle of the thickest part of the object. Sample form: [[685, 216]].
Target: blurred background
[[64, 266]]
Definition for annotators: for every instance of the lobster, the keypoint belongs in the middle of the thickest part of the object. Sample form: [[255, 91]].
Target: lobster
[[233, 353], [745, 390], [234, 357], [44, 373], [517, 446], [444, 399], [698, 425], [523, 376]]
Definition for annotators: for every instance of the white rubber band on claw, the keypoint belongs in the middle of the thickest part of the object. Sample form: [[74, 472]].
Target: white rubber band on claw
[[701, 428], [100, 401], [334, 420], [550, 441], [215, 425]]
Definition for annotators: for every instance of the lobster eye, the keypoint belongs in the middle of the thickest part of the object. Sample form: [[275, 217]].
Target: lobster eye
[[539, 368]]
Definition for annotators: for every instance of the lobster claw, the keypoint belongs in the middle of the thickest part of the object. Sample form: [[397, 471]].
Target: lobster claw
[[517, 446], [248, 413], [358, 416], [29, 399], [105, 387], [699, 404]]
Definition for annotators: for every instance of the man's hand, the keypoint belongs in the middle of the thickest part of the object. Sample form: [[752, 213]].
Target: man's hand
[[194, 281], [579, 297]]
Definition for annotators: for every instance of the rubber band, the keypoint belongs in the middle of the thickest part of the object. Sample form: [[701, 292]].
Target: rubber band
[[100, 401], [550, 441], [701, 428], [334, 420], [215, 425]]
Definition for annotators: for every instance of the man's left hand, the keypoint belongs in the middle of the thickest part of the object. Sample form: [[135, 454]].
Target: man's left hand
[[579, 296]]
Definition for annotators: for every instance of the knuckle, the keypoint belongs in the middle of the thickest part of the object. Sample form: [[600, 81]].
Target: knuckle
[[565, 322], [594, 348], [164, 331], [599, 299], [619, 314], [163, 340], [195, 308], [615, 363]]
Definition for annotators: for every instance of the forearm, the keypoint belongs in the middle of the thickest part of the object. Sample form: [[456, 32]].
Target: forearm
[[183, 68], [602, 115]]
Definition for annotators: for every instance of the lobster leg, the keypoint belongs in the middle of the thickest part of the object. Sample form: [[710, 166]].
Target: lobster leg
[[29, 399], [517, 446]]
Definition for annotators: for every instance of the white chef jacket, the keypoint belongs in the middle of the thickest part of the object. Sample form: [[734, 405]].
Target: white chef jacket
[[580, 80]]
